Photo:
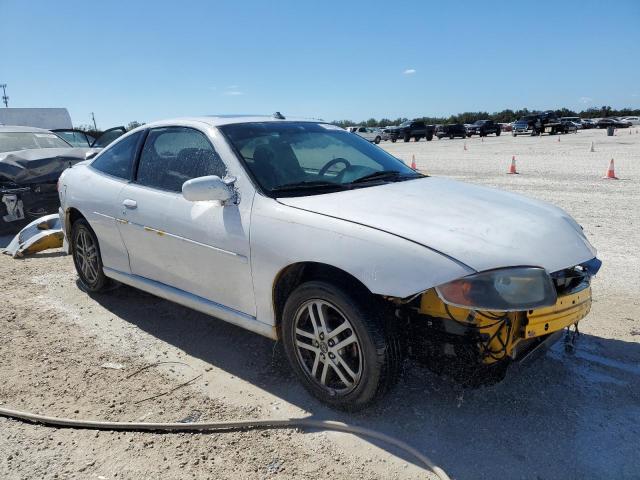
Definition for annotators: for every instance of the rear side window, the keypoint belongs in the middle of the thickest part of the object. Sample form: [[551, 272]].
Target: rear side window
[[118, 159], [173, 155]]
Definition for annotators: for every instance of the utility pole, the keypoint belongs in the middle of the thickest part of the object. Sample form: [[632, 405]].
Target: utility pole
[[5, 99], [95, 127]]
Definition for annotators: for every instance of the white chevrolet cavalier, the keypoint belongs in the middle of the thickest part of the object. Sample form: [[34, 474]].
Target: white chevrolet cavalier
[[303, 232]]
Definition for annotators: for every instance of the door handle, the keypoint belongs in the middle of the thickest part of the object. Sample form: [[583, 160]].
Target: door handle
[[128, 203]]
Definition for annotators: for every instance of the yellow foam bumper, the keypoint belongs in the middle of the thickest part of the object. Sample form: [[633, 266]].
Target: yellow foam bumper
[[504, 337]]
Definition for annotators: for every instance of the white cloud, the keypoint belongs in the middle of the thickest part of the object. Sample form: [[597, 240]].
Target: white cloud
[[233, 90], [409, 71], [585, 99]]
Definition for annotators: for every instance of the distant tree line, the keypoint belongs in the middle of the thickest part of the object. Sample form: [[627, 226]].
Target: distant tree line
[[505, 116]]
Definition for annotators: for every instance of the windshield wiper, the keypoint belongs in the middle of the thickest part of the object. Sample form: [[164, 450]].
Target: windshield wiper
[[308, 185], [385, 175]]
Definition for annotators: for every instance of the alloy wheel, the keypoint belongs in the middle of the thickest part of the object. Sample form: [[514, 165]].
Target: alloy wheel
[[86, 255], [327, 347]]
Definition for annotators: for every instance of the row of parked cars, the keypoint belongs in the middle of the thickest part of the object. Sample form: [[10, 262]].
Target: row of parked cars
[[534, 124]]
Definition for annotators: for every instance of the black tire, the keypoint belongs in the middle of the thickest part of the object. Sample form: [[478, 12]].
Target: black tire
[[377, 350], [451, 137], [94, 279], [498, 133], [407, 138], [429, 137], [377, 140], [393, 140]]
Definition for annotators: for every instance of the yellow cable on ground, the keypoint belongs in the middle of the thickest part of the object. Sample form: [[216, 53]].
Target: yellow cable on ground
[[221, 427]]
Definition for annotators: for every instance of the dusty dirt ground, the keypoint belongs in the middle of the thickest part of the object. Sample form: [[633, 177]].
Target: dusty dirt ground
[[63, 352]]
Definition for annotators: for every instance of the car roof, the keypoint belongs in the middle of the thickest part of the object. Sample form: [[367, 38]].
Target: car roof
[[21, 129], [219, 120]]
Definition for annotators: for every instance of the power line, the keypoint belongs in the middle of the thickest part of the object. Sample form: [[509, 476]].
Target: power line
[[5, 99]]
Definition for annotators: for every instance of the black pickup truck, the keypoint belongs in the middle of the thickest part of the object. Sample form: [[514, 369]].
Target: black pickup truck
[[538, 123], [484, 128], [415, 129]]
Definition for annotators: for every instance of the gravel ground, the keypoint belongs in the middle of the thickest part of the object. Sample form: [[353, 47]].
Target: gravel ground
[[66, 353]]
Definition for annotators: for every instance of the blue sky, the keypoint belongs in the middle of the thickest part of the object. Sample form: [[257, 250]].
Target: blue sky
[[333, 60]]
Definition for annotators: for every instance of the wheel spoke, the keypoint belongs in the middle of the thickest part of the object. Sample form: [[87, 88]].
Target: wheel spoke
[[338, 330], [347, 368], [325, 369], [314, 369], [343, 379], [316, 316], [347, 341], [306, 346], [305, 334]]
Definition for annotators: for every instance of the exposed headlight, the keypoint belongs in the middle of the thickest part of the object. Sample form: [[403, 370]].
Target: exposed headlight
[[506, 289]]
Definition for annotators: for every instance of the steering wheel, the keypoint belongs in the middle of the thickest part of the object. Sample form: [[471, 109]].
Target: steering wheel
[[333, 162]]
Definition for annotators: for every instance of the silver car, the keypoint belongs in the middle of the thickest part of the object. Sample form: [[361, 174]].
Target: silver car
[[305, 233]]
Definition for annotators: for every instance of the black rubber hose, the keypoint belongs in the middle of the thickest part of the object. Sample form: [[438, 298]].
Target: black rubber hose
[[225, 426]]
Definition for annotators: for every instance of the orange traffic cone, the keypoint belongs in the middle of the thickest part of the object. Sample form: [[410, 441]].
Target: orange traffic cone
[[512, 168], [611, 173], [465, 146], [413, 162], [592, 149]]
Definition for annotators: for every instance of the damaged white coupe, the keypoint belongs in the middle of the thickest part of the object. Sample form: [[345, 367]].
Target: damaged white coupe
[[304, 233]]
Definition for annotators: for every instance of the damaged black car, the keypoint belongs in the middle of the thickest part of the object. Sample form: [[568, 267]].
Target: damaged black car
[[31, 161]]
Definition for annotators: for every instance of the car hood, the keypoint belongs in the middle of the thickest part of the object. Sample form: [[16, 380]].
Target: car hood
[[481, 227], [38, 165]]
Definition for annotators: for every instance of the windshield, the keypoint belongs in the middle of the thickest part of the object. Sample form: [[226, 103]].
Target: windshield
[[304, 158], [13, 141]]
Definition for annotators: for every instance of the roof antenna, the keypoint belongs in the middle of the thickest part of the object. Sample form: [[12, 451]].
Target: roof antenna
[[279, 116]]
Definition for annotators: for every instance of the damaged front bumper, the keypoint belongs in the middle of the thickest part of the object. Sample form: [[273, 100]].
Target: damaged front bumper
[[41, 234], [484, 338]]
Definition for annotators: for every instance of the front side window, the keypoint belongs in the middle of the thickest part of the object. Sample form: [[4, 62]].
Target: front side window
[[117, 160], [304, 158], [173, 155]]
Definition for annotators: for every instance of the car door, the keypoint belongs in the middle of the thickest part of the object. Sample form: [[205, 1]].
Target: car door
[[113, 169], [199, 247], [108, 136]]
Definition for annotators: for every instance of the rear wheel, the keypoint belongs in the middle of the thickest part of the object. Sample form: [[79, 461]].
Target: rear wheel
[[429, 137], [498, 133], [86, 257], [338, 345], [393, 140], [377, 140], [407, 138]]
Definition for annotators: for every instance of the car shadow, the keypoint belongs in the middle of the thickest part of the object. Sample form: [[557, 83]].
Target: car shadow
[[563, 417]]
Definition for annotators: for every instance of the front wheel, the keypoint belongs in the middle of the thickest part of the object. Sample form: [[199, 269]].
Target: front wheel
[[338, 345], [86, 257], [393, 140]]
